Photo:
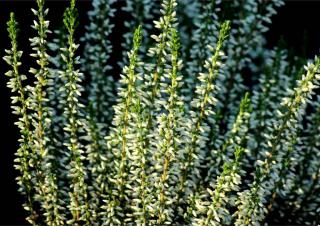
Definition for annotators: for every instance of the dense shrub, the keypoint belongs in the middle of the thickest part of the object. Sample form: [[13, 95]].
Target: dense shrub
[[206, 126]]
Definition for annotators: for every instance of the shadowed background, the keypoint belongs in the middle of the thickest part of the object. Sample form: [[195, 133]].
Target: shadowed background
[[296, 23]]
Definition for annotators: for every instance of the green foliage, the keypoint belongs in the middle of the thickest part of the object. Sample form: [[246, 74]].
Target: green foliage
[[170, 142]]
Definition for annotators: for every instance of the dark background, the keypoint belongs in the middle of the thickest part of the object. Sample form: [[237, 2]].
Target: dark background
[[297, 23]]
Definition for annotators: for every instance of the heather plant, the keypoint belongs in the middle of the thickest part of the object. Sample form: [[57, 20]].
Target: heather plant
[[179, 137]]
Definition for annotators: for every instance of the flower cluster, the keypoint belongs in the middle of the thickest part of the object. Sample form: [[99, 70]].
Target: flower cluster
[[171, 142]]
